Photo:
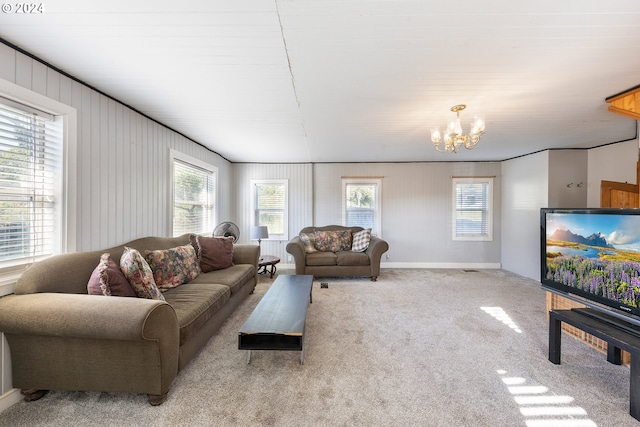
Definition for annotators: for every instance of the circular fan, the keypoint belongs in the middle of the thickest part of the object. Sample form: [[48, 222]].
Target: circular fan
[[227, 229]]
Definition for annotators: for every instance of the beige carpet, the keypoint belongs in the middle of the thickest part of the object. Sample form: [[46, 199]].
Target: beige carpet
[[415, 348]]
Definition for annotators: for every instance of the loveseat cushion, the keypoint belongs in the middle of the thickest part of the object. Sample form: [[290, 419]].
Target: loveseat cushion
[[352, 258], [333, 241], [233, 277], [194, 304], [309, 242], [321, 258], [361, 240]]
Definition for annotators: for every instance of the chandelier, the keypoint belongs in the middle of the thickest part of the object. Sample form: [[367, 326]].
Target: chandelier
[[453, 137]]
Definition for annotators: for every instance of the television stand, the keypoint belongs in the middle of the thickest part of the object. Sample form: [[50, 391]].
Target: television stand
[[617, 339], [611, 320]]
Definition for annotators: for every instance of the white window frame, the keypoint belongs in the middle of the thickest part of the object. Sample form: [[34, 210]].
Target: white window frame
[[377, 228], [183, 158], [254, 211], [488, 236], [64, 237]]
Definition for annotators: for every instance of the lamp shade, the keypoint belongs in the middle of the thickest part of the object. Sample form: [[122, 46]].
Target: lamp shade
[[259, 232]]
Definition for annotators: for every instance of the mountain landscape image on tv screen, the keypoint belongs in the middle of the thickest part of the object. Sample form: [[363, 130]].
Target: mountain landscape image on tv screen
[[597, 254]]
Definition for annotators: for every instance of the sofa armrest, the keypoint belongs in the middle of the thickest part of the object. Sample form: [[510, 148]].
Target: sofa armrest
[[296, 248], [376, 248], [247, 254], [86, 316], [90, 342]]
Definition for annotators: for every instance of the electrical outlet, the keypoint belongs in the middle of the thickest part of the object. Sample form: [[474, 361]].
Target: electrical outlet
[[324, 285], [388, 257], [289, 258]]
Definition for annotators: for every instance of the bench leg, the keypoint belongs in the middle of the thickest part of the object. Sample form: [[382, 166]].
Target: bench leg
[[555, 338], [634, 387], [614, 354]]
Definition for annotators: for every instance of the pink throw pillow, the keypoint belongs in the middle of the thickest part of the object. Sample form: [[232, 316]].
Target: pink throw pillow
[[107, 279]]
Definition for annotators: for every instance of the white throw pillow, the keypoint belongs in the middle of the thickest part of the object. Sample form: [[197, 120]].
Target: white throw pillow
[[361, 240]]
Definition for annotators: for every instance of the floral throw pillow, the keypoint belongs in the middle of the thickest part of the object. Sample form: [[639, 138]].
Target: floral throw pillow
[[361, 240], [107, 279], [139, 274], [333, 241], [173, 267], [308, 240]]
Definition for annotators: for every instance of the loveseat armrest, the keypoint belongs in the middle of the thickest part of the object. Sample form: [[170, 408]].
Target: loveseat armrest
[[90, 342], [296, 248], [376, 248]]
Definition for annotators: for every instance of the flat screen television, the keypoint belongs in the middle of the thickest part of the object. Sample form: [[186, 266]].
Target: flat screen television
[[593, 256]]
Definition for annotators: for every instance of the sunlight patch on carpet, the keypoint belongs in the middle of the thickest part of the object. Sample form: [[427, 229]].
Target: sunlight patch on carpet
[[541, 408], [501, 315]]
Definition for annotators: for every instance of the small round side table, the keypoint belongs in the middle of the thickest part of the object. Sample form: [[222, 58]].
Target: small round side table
[[266, 261]]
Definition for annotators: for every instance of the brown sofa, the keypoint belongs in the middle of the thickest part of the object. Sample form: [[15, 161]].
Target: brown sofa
[[61, 338], [340, 263]]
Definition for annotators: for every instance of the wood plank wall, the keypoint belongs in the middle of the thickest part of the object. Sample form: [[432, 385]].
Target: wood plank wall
[[123, 159], [300, 181], [122, 167]]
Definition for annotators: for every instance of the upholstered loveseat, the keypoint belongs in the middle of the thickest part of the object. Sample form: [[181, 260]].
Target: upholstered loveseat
[[336, 251], [62, 338]]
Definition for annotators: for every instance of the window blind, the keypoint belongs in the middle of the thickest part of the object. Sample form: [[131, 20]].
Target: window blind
[[472, 209], [194, 192], [30, 159], [270, 202], [361, 205]]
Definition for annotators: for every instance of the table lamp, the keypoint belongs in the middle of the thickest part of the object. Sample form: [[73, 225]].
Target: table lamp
[[259, 232]]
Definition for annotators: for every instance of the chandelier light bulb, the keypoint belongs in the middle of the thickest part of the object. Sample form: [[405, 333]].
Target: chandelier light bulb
[[436, 137], [477, 126], [457, 129]]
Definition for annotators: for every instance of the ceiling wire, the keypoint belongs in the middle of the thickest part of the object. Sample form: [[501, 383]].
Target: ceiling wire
[[293, 81]]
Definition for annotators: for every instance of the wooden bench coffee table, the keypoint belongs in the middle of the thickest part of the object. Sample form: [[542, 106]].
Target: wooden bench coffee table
[[277, 322]]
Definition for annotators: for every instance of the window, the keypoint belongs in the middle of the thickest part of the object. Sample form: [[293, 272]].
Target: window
[[472, 209], [194, 195], [361, 203], [30, 182], [270, 207]]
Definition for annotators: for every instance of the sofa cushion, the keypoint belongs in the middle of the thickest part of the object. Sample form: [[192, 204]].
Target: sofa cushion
[[361, 240], [309, 241], [214, 253], [234, 277], [352, 258], [321, 258], [333, 241], [174, 266], [139, 274], [107, 279], [195, 304]]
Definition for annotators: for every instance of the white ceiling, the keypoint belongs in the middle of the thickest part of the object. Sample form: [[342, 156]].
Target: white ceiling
[[351, 80]]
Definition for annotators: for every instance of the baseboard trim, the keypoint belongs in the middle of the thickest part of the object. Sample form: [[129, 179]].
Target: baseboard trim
[[453, 265], [9, 399]]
